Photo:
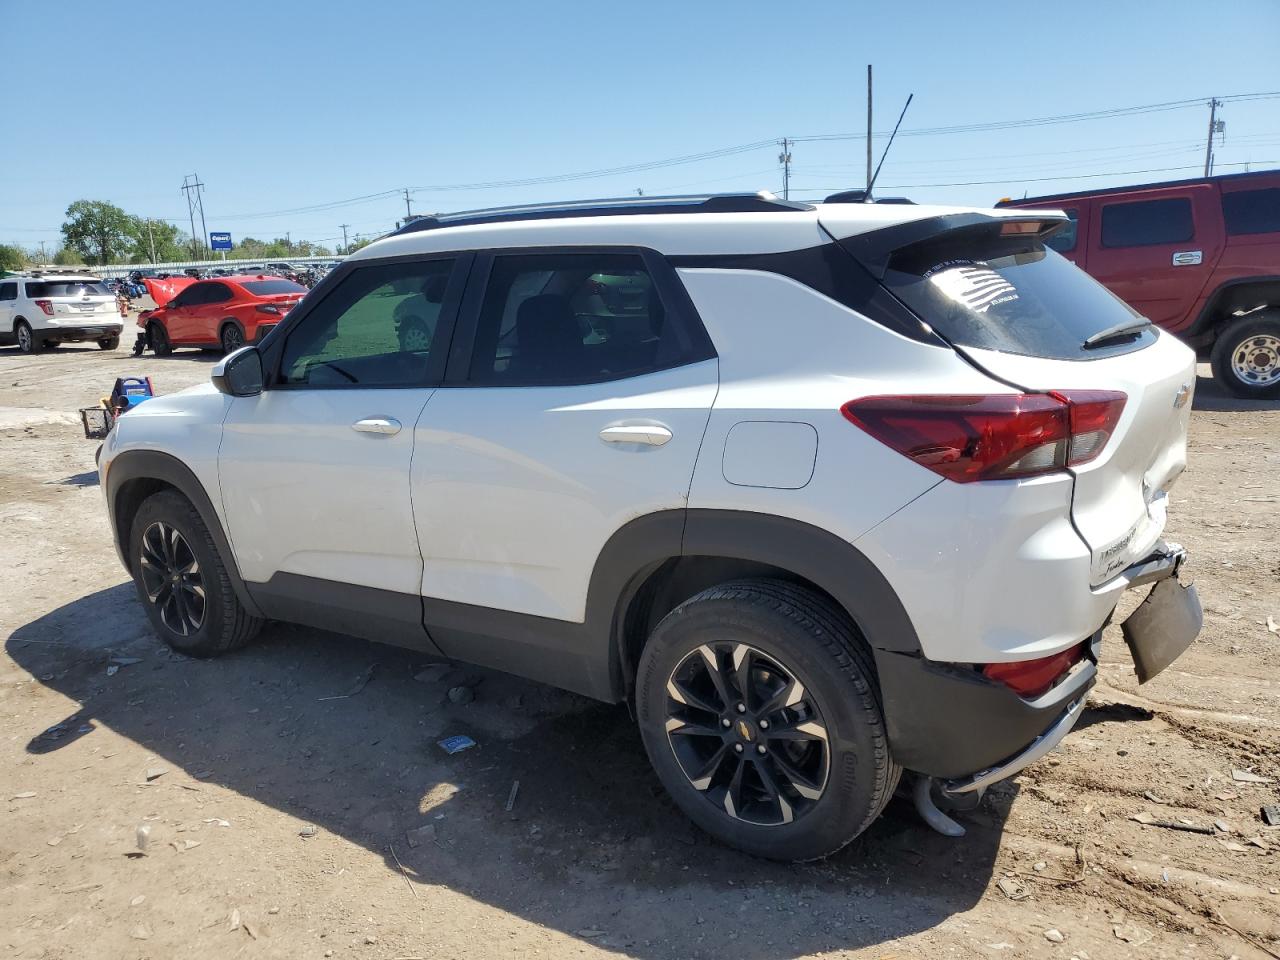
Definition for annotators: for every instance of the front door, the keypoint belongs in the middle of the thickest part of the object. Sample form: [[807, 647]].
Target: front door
[[580, 402], [315, 470]]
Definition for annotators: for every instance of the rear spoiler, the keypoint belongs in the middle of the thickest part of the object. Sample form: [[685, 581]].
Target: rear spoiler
[[875, 248]]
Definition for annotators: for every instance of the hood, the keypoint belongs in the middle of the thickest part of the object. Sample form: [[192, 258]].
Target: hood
[[162, 291]]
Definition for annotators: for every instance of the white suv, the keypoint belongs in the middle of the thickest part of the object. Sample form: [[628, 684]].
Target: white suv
[[823, 492], [46, 309]]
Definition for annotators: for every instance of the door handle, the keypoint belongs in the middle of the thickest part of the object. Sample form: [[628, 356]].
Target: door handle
[[1188, 258], [383, 425], [652, 436]]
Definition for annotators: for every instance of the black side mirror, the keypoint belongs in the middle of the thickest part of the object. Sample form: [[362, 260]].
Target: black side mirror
[[239, 374]]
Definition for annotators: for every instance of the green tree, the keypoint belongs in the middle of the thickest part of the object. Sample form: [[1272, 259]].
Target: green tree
[[66, 257], [12, 258], [359, 242], [157, 241], [249, 249], [100, 232]]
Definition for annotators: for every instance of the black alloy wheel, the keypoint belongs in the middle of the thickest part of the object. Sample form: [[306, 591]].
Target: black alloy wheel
[[172, 578]]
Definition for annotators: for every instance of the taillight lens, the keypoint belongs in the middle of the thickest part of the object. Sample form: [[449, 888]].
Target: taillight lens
[[45, 305], [268, 308], [992, 437], [1031, 678]]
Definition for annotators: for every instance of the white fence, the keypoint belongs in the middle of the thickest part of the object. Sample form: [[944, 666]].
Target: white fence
[[177, 266]]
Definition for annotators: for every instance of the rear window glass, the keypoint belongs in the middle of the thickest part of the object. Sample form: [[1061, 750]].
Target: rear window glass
[[980, 289], [1252, 211], [267, 288], [55, 288], [1146, 223]]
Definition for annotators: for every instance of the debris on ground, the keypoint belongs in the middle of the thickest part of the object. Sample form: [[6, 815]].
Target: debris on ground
[[1270, 815], [155, 773], [140, 932], [456, 744], [1131, 933], [24, 795], [361, 682], [1012, 888], [511, 797], [1248, 776], [433, 672], [461, 694], [1153, 798], [308, 830], [417, 837], [142, 837], [234, 920], [1272, 625], [1149, 821], [1054, 935]]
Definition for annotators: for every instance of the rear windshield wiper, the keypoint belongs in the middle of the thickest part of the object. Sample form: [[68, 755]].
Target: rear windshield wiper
[[1129, 328]]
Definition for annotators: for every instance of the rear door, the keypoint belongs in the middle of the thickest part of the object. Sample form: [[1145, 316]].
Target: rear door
[[8, 297], [577, 401], [1157, 250], [1023, 313]]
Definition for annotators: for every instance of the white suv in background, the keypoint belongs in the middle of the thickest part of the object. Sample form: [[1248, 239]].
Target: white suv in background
[[824, 492], [45, 309]]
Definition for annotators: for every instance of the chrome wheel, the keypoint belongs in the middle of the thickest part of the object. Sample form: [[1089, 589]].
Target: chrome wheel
[[414, 337], [24, 338], [747, 733], [1256, 360], [172, 579]]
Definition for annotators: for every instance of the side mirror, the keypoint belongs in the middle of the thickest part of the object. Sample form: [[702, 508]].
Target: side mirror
[[239, 374]]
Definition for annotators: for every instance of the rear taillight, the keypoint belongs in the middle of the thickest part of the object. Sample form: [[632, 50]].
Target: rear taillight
[[45, 305], [268, 308], [1030, 678], [992, 437]]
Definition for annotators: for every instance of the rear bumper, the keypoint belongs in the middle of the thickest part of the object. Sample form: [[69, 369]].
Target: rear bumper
[[82, 331], [949, 721]]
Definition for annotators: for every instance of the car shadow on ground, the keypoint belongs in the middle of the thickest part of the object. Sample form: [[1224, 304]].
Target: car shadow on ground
[[337, 732], [1210, 395]]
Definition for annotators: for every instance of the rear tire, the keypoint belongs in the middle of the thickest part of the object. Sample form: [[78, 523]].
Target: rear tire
[[28, 342], [159, 339], [798, 693], [1246, 356], [109, 343], [183, 582]]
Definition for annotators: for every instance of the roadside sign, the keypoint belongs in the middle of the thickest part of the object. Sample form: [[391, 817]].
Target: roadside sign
[[220, 241]]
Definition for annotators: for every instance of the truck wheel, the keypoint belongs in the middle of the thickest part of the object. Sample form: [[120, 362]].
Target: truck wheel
[[28, 342], [1246, 356], [182, 582], [159, 337], [759, 708]]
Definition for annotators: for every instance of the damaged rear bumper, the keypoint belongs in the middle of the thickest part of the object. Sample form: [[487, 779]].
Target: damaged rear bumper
[[949, 722]]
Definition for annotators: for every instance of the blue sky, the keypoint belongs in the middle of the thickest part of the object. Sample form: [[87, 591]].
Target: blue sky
[[287, 106]]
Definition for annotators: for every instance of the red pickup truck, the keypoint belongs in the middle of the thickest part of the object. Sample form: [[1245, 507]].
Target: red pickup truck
[[1201, 258]]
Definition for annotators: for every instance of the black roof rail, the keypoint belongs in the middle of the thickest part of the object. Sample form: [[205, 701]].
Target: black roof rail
[[860, 196], [762, 202]]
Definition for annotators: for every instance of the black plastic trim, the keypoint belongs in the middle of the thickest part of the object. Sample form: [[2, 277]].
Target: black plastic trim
[[359, 611], [1054, 198], [1208, 314], [833, 272], [153, 465]]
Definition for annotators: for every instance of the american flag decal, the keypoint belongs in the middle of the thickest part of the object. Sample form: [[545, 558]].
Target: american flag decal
[[977, 287]]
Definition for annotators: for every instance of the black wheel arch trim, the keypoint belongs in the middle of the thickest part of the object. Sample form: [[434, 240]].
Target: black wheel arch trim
[[154, 465], [1209, 319]]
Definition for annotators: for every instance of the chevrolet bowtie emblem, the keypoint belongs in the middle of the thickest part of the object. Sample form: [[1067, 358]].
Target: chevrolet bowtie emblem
[[1182, 396]]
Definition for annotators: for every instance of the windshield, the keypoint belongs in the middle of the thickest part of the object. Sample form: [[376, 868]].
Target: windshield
[[267, 288], [979, 288], [67, 288]]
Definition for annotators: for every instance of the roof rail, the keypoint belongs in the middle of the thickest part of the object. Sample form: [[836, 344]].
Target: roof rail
[[860, 196], [762, 202]]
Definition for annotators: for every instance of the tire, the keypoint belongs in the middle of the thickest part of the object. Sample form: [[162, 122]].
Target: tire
[[28, 342], [109, 343], [834, 778], [1246, 356], [231, 337], [206, 627], [159, 339]]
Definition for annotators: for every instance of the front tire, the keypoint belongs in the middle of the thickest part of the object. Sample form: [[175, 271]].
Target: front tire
[[183, 582], [759, 707], [1246, 356], [159, 337], [232, 338]]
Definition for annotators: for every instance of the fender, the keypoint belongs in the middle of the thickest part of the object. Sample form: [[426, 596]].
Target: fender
[[1222, 294], [153, 465]]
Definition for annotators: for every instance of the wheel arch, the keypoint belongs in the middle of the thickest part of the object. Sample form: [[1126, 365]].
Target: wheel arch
[[135, 475], [1233, 295]]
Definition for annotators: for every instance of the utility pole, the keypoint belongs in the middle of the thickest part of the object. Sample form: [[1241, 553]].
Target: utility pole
[[1215, 126], [408, 214], [784, 158], [151, 237], [344, 238], [192, 186], [868, 180]]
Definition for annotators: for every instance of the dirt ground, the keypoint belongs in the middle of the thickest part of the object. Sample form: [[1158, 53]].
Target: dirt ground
[[232, 763]]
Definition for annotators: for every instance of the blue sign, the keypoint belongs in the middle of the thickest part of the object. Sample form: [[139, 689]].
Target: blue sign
[[220, 241]]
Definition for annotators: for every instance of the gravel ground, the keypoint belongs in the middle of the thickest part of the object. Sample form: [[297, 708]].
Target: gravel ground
[[298, 806]]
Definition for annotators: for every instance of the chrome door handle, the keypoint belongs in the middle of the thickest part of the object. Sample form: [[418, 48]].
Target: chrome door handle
[[652, 436], [383, 425], [1188, 258]]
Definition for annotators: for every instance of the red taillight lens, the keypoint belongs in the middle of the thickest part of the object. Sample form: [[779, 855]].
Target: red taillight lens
[[992, 437], [1094, 415], [45, 305], [1030, 678], [268, 308]]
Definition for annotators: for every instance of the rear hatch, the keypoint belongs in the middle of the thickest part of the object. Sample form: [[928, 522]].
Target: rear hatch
[[87, 300], [1030, 318], [279, 293]]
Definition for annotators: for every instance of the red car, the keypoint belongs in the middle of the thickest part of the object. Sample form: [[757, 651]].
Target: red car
[[225, 313]]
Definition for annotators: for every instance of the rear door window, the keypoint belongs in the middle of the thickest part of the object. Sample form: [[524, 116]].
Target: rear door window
[[8, 291], [1146, 223], [1064, 241], [1252, 211], [978, 287]]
